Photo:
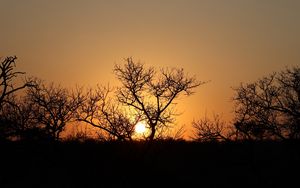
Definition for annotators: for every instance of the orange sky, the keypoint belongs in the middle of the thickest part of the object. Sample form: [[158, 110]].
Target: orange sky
[[79, 41]]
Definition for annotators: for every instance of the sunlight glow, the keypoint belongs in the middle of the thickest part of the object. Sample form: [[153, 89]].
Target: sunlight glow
[[140, 128]]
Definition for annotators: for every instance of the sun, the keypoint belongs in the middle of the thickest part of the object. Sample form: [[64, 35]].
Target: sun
[[140, 128]]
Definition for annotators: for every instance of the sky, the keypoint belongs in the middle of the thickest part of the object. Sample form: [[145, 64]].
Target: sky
[[225, 42]]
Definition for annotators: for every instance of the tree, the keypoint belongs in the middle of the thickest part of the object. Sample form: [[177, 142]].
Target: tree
[[207, 130], [53, 106], [171, 133], [12, 115], [18, 121], [101, 111], [7, 76], [150, 94], [270, 107]]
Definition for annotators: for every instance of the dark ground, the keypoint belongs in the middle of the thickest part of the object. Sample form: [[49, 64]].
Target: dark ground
[[163, 164]]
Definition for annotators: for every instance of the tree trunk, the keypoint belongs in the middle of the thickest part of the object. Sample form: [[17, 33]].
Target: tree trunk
[[153, 130]]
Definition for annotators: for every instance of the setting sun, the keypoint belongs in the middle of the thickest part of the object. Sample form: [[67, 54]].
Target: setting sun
[[140, 127]]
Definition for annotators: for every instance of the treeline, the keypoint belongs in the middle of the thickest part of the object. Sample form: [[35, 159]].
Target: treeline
[[34, 110], [37, 110]]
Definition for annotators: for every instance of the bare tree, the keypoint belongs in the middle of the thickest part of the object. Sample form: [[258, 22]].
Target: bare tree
[[207, 130], [7, 77], [150, 94], [14, 117], [170, 133], [54, 106], [101, 111], [18, 120], [270, 107]]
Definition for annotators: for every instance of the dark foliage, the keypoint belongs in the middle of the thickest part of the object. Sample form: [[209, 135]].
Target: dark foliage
[[136, 164]]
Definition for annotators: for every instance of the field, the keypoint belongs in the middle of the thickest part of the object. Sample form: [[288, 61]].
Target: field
[[138, 164]]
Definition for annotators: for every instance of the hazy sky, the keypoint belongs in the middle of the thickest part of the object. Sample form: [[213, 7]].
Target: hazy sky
[[227, 41]]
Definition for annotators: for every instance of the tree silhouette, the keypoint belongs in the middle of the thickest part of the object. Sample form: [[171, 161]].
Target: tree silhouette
[[18, 120], [210, 130], [171, 133], [101, 111], [13, 118], [150, 94], [270, 107], [7, 76], [54, 106]]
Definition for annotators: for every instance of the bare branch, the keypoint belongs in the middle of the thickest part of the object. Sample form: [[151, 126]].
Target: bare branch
[[7, 76], [99, 110], [152, 94], [270, 107], [209, 130]]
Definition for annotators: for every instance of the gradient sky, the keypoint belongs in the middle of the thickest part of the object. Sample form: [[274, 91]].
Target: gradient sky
[[227, 41]]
